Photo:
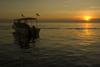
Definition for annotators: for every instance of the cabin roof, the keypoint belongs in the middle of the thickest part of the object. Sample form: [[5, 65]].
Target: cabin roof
[[29, 18]]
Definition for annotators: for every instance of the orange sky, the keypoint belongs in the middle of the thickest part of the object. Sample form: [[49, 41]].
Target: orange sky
[[50, 10]]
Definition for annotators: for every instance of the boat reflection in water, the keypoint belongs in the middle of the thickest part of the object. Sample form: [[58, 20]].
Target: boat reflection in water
[[23, 41], [26, 47]]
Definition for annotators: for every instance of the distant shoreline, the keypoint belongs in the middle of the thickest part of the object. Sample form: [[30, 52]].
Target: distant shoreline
[[57, 21]]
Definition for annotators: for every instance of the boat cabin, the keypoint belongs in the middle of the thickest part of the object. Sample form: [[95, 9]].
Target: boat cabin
[[20, 22]]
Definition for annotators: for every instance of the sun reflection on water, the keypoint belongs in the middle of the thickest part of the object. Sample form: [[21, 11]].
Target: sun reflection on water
[[86, 35], [88, 25]]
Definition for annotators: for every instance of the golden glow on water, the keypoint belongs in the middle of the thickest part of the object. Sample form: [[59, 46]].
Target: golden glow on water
[[86, 30], [86, 34], [87, 25], [79, 34]]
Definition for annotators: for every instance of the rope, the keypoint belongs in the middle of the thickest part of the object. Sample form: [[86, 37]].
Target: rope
[[22, 63]]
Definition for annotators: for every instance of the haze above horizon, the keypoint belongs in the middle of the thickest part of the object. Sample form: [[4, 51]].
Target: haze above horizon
[[51, 10]]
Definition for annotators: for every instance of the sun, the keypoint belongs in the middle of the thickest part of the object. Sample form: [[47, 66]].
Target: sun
[[87, 18]]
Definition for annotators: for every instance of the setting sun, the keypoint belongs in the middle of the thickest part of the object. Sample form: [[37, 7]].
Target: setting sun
[[87, 18]]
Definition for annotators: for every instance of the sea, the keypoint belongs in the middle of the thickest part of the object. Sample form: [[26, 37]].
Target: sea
[[60, 44]]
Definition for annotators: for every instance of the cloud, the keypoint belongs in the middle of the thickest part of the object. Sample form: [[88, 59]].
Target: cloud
[[95, 7], [97, 19]]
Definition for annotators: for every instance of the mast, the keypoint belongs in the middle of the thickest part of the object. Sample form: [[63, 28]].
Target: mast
[[36, 18]]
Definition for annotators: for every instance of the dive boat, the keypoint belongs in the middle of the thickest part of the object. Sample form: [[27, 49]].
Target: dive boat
[[24, 31]]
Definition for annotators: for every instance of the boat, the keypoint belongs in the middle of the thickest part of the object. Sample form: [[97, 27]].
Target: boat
[[25, 32]]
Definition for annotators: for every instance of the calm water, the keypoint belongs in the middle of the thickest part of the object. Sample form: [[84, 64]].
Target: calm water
[[59, 45]]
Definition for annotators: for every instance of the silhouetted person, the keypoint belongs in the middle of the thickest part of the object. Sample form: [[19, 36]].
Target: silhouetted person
[[34, 32], [29, 32]]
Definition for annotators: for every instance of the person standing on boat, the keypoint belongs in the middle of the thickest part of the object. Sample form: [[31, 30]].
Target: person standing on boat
[[29, 32], [34, 32]]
